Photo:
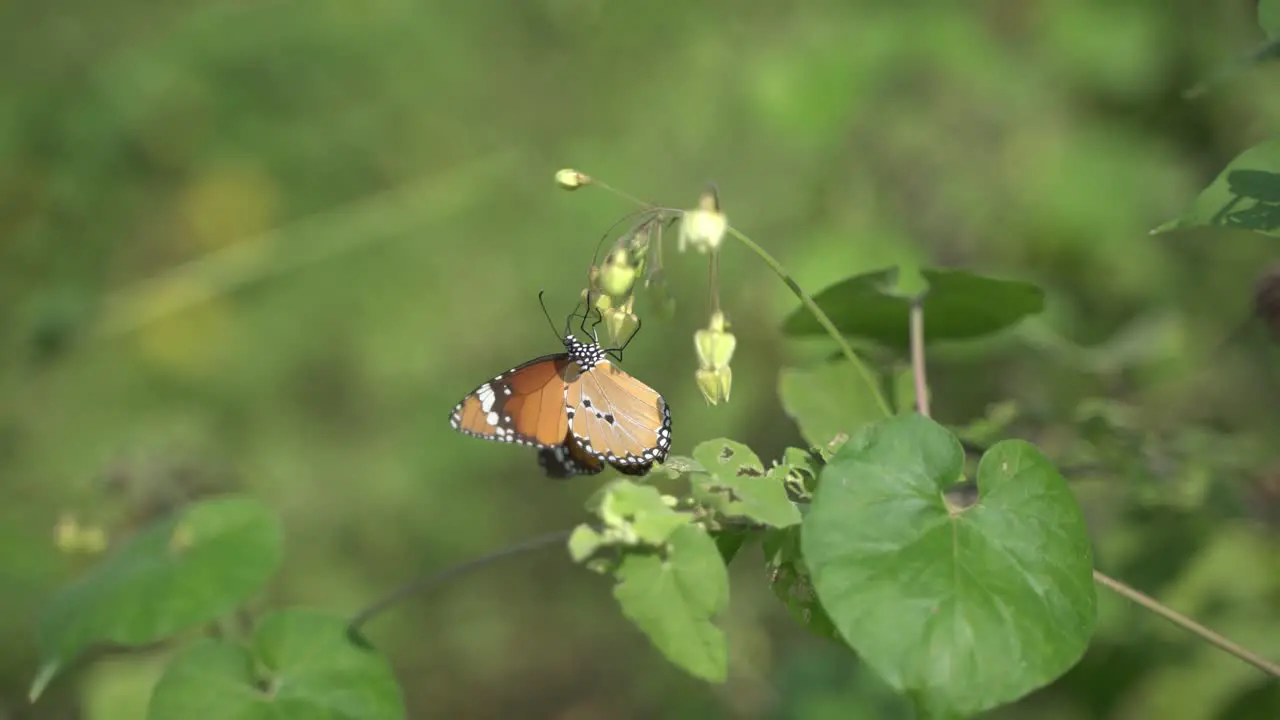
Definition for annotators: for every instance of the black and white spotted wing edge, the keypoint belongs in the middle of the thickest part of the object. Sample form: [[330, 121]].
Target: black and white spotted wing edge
[[629, 464], [559, 462]]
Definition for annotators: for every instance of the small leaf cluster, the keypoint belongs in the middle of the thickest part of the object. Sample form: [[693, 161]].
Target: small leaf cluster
[[193, 570]]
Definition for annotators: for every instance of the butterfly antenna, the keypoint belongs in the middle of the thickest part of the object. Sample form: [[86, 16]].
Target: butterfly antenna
[[550, 322], [427, 583], [586, 312]]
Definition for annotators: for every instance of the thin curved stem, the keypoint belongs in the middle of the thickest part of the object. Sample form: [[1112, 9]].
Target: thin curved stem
[[427, 583], [818, 315], [1188, 624]]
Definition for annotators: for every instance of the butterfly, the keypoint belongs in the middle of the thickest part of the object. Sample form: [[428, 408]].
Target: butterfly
[[576, 407]]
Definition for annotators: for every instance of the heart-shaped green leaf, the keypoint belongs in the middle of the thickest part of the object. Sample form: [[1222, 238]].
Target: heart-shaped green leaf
[[738, 485], [963, 609], [672, 599], [301, 665], [184, 570], [958, 305], [829, 402], [1245, 195]]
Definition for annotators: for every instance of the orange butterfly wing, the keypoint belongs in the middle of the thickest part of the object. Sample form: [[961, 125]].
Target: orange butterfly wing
[[617, 418], [524, 405]]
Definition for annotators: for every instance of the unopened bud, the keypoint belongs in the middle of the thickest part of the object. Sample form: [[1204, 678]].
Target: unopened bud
[[715, 384], [714, 344], [618, 274], [570, 179], [703, 228], [620, 324]]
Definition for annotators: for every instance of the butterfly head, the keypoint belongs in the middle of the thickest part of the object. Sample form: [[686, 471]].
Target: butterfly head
[[586, 355]]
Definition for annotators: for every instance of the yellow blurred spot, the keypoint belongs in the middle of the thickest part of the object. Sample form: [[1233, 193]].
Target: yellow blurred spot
[[65, 533], [229, 203], [181, 539], [192, 341], [93, 540]]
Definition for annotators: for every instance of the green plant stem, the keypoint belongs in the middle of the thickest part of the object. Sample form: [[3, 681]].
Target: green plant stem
[[917, 356], [1188, 624], [818, 314]]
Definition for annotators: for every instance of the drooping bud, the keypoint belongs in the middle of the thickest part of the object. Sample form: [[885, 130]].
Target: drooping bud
[[715, 345], [570, 179], [620, 324], [715, 384], [703, 228], [618, 274]]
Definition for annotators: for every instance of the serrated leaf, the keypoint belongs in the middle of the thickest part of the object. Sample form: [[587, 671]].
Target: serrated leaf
[[641, 507], [958, 305], [190, 568], [1245, 195], [829, 402], [673, 600], [738, 486], [962, 609], [301, 665], [791, 582]]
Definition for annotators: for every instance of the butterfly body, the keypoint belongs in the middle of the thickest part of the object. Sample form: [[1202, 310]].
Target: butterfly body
[[577, 408]]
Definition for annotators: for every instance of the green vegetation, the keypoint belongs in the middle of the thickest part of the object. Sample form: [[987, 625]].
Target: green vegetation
[[1003, 449]]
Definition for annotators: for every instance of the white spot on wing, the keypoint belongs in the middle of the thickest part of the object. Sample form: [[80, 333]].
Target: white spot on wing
[[485, 393]]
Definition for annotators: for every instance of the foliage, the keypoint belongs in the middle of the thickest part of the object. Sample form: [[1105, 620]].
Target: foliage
[[959, 604]]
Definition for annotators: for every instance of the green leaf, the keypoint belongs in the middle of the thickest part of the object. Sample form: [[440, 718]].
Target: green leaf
[[190, 568], [829, 402], [301, 665], [1245, 195], [792, 583], [583, 543], [641, 508], [964, 609], [957, 306], [1269, 17], [677, 465], [738, 485], [673, 600], [730, 540]]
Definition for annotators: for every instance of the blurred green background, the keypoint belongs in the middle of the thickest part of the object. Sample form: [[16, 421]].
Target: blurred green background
[[265, 247]]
